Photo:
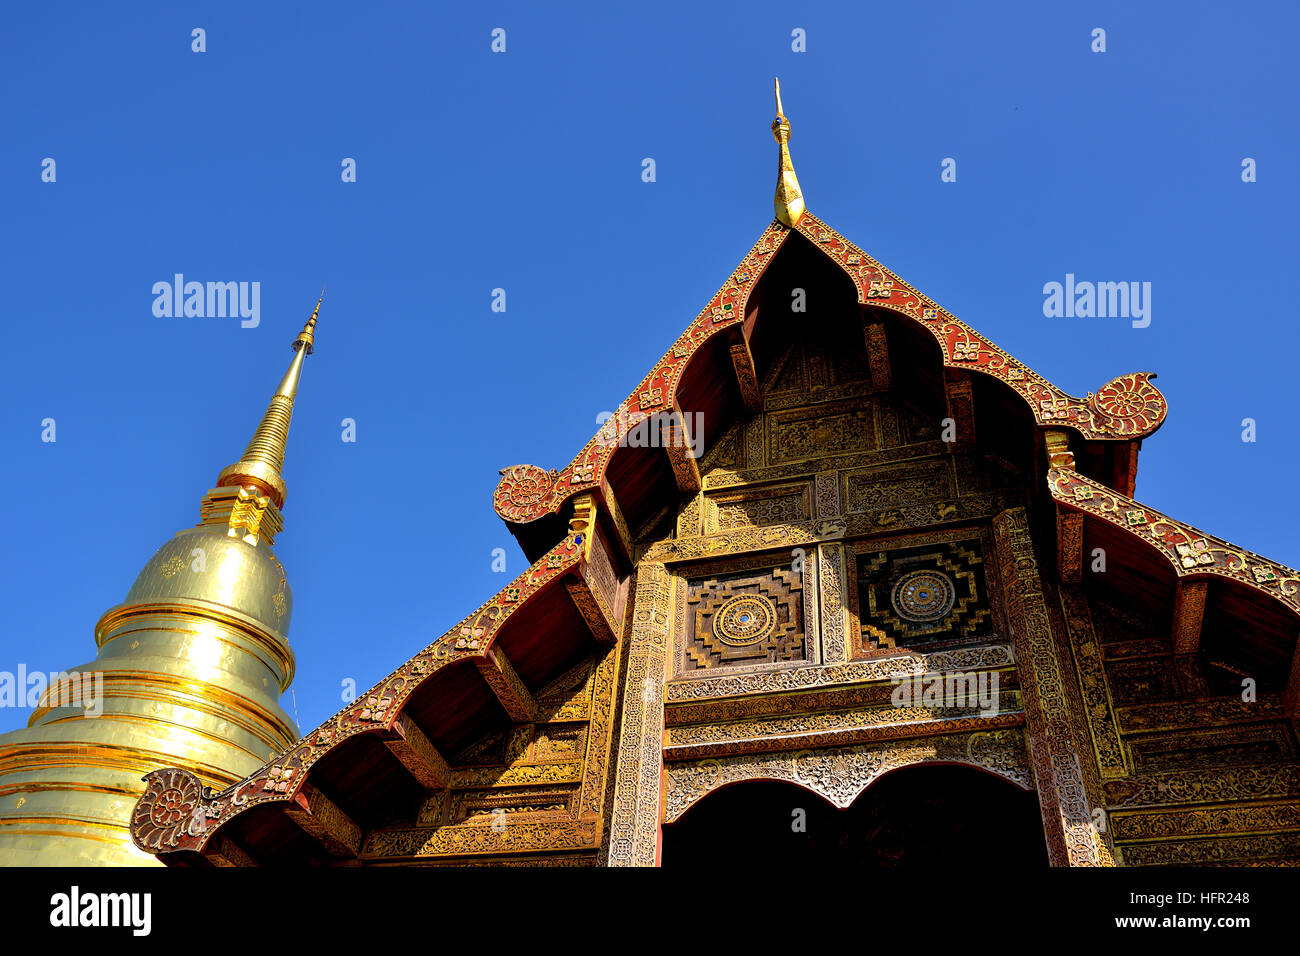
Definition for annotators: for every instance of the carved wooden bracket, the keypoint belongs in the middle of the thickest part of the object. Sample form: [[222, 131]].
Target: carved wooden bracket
[[676, 438], [1189, 611], [418, 755], [742, 360], [506, 684], [321, 818]]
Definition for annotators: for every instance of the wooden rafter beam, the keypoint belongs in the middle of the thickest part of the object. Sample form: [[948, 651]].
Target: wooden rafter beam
[[961, 409], [1291, 696], [742, 360], [621, 533], [418, 755], [1189, 612], [320, 818], [506, 684], [1069, 546], [583, 590], [878, 355], [224, 851], [676, 439]]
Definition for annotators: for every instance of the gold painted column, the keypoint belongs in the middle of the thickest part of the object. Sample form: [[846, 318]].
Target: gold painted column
[[1072, 838], [639, 777]]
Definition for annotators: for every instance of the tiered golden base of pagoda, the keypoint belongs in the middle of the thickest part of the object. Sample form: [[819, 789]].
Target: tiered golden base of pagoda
[[192, 665]]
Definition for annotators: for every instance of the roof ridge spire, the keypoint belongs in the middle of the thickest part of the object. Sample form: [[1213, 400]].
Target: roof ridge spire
[[788, 201]]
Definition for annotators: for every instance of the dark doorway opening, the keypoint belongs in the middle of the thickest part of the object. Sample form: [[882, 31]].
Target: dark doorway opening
[[929, 815]]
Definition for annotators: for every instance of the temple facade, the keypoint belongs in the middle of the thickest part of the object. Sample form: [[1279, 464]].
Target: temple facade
[[841, 581]]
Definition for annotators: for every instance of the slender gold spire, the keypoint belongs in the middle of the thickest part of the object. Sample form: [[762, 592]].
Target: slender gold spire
[[264, 457], [789, 198], [305, 337]]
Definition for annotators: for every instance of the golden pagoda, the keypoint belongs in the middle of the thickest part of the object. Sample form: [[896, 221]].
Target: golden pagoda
[[188, 674]]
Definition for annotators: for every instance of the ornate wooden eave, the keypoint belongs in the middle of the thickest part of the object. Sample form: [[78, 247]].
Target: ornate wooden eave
[[188, 824], [1123, 411], [1251, 598], [1191, 553]]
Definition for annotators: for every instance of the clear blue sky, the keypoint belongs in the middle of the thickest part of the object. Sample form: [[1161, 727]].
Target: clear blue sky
[[522, 170]]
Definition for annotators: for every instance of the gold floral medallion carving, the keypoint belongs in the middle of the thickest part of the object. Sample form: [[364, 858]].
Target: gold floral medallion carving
[[744, 620], [923, 596]]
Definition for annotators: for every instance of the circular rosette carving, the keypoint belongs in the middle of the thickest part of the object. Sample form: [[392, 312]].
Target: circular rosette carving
[[524, 493], [923, 596], [170, 810], [744, 620], [1130, 406]]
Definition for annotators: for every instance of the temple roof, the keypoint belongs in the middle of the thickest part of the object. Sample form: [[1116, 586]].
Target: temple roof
[[1124, 410], [540, 624]]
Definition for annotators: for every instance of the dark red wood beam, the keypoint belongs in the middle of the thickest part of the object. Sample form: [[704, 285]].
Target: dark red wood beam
[[320, 818], [418, 755]]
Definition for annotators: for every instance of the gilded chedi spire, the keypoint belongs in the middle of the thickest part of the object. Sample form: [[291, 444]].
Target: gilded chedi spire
[[789, 197], [189, 672], [264, 457]]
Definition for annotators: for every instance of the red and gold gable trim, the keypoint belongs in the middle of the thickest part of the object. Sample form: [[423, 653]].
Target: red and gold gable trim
[[177, 813], [1191, 552], [1125, 409]]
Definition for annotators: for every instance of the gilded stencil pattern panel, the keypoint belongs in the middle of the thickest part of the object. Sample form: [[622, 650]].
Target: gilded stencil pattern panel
[[754, 445], [835, 728], [688, 522], [605, 583], [891, 485], [919, 590], [810, 433], [752, 508], [828, 494], [803, 678], [1205, 821], [756, 473], [1216, 747], [813, 371], [1240, 849], [1204, 785]]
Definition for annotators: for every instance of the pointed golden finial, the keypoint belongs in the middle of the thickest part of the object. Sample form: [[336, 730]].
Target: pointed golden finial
[[262, 460], [306, 336], [789, 198]]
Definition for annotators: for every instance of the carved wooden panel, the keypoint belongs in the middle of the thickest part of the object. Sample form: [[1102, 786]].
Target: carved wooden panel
[[812, 371], [751, 508], [747, 614], [895, 485], [1216, 747], [920, 591], [812, 432]]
